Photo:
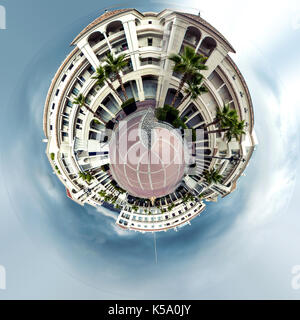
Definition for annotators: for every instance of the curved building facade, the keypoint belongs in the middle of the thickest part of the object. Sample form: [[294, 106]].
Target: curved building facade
[[150, 193]]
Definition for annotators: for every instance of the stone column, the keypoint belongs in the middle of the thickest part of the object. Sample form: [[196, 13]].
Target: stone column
[[140, 88], [132, 41], [216, 57], [89, 53], [175, 42], [107, 110], [184, 105], [107, 41]]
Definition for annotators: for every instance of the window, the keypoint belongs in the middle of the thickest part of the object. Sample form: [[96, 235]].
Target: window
[[150, 42], [71, 66], [57, 92], [124, 46], [91, 69], [93, 92], [75, 91], [82, 78], [150, 22], [51, 127], [70, 104], [63, 78], [53, 106]]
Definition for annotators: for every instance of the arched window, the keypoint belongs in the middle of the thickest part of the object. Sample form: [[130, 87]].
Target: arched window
[[207, 46], [137, 22], [111, 104], [131, 90], [96, 125], [170, 96], [192, 36], [114, 27], [95, 38]]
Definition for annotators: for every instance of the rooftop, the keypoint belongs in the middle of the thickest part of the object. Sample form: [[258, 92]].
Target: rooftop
[[103, 17]]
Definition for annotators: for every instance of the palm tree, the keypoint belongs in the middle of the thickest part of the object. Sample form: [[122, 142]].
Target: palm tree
[[102, 78], [135, 208], [114, 66], [108, 198], [188, 197], [224, 116], [188, 64], [236, 131], [212, 176], [194, 89], [102, 193], [80, 101], [233, 129]]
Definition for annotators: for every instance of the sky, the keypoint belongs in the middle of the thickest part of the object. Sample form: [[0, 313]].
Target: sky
[[243, 247]]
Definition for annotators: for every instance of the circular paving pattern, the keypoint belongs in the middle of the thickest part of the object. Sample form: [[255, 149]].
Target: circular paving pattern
[[144, 167]]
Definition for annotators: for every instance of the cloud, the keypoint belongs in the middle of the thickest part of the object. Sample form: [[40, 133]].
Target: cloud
[[217, 254]]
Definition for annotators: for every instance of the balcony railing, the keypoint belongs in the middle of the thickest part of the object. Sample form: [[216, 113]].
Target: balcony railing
[[148, 61], [191, 40], [121, 48]]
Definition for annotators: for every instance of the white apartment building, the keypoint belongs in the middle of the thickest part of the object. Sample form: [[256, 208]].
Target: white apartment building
[[76, 140]]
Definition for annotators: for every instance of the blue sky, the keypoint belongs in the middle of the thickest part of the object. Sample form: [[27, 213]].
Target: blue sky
[[242, 247]]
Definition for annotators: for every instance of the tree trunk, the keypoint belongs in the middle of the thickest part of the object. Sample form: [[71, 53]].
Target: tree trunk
[[114, 90], [94, 113], [184, 99], [212, 123], [182, 82], [122, 86]]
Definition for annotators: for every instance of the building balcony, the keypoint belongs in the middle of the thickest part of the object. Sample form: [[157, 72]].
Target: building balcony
[[150, 61]]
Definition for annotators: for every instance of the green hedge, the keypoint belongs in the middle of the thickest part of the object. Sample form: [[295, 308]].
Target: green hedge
[[127, 103], [171, 115], [85, 176], [105, 168]]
